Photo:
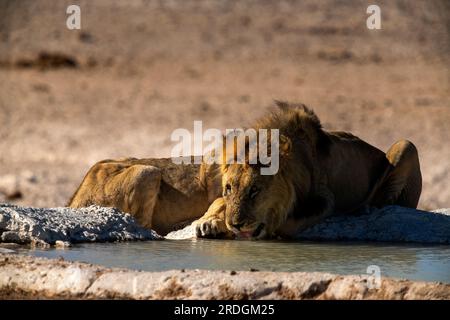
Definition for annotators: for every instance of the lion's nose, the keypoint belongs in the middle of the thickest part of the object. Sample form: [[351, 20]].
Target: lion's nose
[[238, 226]]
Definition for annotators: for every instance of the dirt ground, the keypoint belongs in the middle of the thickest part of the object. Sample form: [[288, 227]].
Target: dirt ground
[[137, 70]]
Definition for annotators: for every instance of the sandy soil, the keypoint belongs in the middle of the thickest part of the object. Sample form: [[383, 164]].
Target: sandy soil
[[134, 73]]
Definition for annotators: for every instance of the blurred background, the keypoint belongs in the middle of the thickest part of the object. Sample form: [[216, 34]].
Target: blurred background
[[137, 70]]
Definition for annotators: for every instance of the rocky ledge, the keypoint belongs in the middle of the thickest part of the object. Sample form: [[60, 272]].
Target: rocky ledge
[[389, 224], [62, 226], [44, 226], [28, 277]]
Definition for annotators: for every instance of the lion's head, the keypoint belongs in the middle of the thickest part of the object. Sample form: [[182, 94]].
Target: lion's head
[[258, 205]]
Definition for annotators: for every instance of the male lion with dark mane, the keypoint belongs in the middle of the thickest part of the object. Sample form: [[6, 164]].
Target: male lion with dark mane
[[320, 174]]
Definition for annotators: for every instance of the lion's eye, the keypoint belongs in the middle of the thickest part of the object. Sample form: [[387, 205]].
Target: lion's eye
[[253, 192], [227, 190]]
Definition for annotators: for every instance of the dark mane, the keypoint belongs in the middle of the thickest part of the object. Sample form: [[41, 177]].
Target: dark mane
[[296, 121]]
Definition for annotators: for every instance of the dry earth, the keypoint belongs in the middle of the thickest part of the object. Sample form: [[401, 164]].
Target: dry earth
[[136, 71]]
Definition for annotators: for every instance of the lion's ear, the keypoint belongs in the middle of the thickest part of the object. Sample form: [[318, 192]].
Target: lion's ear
[[285, 145]]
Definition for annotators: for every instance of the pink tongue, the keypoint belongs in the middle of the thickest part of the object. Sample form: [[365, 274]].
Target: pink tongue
[[247, 234]]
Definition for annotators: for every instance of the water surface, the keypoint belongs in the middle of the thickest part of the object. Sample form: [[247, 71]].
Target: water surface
[[415, 262]]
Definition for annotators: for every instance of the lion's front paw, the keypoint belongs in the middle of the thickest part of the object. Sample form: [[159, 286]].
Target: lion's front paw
[[210, 228]]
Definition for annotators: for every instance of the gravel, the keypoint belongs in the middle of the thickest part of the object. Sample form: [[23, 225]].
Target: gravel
[[44, 226], [63, 226], [389, 224]]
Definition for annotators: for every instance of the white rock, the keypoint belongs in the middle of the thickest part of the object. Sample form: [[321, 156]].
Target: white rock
[[44, 226], [187, 232], [62, 244]]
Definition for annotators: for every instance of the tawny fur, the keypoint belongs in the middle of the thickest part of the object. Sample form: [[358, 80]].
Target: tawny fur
[[321, 173]]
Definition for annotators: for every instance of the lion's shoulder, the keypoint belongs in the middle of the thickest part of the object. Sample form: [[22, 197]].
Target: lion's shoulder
[[343, 135]]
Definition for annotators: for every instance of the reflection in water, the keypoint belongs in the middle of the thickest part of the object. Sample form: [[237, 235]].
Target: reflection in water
[[430, 263]]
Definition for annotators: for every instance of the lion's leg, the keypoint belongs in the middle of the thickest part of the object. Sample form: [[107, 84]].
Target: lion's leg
[[212, 223], [129, 188], [141, 185], [313, 212], [403, 183]]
